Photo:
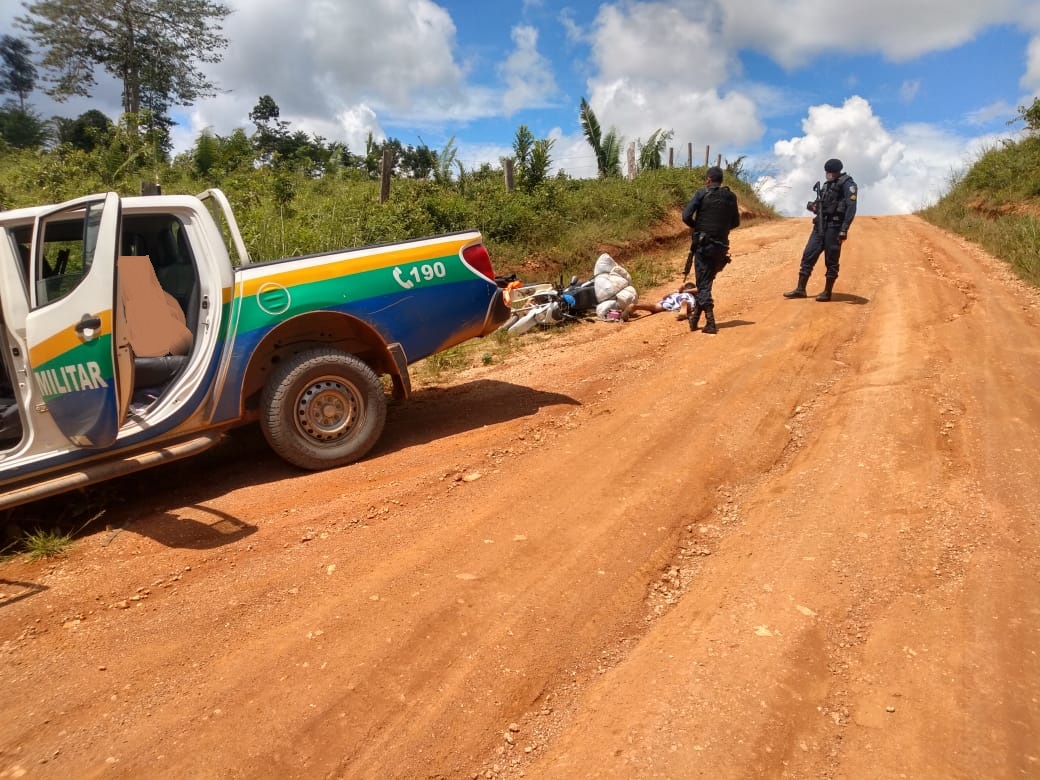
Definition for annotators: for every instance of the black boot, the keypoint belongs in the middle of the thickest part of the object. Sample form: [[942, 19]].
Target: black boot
[[709, 321], [828, 288], [799, 291], [695, 316]]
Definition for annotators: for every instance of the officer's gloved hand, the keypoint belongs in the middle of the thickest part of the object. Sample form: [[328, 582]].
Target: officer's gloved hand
[[842, 236]]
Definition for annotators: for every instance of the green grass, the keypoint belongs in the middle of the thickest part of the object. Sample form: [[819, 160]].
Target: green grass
[[490, 350], [561, 226], [997, 204], [46, 543], [48, 518]]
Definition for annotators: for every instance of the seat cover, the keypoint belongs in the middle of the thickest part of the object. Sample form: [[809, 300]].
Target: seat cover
[[155, 322]]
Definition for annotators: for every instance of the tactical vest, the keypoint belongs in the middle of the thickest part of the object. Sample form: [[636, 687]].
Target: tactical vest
[[715, 212], [834, 198]]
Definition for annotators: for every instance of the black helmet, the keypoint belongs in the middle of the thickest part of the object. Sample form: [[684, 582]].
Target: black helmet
[[833, 165]]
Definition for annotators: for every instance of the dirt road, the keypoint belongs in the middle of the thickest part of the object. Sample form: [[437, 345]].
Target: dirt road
[[805, 547]]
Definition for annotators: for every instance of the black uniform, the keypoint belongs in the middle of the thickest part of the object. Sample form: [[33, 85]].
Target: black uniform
[[716, 212], [838, 205]]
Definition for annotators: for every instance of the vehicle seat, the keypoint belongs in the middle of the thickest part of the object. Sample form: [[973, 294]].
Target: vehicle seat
[[175, 272], [156, 328]]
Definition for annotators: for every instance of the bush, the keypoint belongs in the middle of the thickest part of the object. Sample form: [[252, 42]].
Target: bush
[[997, 204], [561, 223]]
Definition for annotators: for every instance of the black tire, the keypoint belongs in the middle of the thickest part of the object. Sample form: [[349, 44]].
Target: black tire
[[322, 408]]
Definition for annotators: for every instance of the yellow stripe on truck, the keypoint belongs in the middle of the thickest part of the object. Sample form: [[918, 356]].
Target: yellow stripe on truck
[[378, 257], [66, 339]]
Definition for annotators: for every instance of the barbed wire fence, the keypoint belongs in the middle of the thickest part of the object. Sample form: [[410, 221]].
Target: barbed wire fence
[[581, 167]]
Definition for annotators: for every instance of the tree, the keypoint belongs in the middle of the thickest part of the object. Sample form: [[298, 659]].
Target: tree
[[418, 161], [650, 153], [374, 155], [153, 47], [541, 161], [445, 159], [349, 160], [531, 159], [86, 132], [236, 152], [18, 74], [1030, 115], [206, 154], [270, 130], [736, 169], [523, 144], [607, 148], [22, 128], [612, 143]]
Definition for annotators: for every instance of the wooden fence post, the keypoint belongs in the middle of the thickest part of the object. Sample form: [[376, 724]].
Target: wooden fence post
[[384, 181], [671, 157], [718, 161], [631, 160], [707, 154], [689, 155], [507, 168]]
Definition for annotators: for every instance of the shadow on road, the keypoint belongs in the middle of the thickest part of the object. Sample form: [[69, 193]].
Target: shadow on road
[[143, 503], [12, 591], [434, 413], [846, 298], [734, 324], [189, 533]]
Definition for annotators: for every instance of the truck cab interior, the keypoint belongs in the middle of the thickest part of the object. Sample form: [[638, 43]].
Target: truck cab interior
[[169, 276], [168, 280], [10, 419]]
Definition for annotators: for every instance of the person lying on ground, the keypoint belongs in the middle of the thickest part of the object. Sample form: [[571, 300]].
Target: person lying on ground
[[681, 302]]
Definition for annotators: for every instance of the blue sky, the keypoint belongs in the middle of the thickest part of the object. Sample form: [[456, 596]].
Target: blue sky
[[905, 92]]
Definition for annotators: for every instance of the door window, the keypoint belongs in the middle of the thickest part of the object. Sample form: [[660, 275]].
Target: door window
[[67, 242]]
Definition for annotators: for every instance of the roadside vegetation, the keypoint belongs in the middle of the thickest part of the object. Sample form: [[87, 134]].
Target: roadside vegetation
[[996, 203], [559, 224], [295, 193]]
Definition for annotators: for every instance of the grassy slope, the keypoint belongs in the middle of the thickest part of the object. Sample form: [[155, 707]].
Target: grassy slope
[[559, 227], [997, 204]]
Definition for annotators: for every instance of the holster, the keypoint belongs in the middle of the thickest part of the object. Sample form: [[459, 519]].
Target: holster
[[713, 251]]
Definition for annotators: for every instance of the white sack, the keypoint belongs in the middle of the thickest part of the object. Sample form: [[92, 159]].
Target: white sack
[[612, 283]]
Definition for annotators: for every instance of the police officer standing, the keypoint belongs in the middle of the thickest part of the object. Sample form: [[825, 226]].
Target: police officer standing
[[835, 208], [716, 213]]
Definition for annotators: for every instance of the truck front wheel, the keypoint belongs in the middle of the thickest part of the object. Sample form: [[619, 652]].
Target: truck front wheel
[[322, 408]]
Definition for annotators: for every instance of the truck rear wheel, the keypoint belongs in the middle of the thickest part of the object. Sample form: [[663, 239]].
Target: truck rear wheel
[[322, 408]]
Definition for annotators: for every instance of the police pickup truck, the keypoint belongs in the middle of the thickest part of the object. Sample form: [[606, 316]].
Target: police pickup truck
[[136, 331]]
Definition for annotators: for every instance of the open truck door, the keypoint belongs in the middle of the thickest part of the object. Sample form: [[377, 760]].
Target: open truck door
[[76, 328]]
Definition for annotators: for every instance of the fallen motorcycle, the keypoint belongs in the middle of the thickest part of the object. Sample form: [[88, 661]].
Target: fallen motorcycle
[[546, 303]]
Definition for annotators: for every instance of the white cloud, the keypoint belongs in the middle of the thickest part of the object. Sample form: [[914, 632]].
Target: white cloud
[[657, 43], [795, 31], [908, 91], [661, 67], [1031, 78], [572, 30], [398, 62], [703, 118], [1001, 109], [573, 155], [897, 171], [317, 56], [472, 156], [528, 75]]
